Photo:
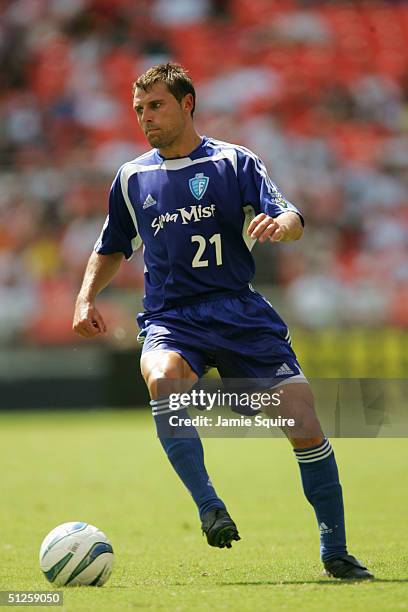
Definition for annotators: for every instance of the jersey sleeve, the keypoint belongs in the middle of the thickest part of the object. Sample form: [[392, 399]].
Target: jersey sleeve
[[119, 233], [257, 188]]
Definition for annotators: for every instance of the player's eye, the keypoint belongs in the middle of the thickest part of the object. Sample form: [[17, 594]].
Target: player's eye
[[156, 105], [139, 110]]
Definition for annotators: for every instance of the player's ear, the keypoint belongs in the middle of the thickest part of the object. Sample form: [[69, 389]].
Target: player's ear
[[187, 103]]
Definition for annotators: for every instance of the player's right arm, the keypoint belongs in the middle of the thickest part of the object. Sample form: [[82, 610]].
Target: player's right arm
[[119, 238], [88, 322]]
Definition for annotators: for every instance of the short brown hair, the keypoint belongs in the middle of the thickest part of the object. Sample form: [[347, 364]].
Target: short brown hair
[[174, 76]]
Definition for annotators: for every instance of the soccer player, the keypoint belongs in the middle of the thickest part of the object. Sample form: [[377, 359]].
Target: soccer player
[[198, 205]]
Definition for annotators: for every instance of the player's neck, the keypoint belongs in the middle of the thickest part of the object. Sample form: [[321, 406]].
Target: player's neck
[[182, 147]]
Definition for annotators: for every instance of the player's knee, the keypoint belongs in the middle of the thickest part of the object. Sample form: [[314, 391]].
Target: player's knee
[[167, 374]]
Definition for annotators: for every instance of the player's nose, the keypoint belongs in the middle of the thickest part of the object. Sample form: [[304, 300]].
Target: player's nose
[[146, 117]]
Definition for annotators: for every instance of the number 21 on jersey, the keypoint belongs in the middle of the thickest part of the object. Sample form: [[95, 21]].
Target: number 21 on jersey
[[215, 240]]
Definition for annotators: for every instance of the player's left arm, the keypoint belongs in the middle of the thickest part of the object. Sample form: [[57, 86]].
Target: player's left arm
[[275, 218], [284, 228]]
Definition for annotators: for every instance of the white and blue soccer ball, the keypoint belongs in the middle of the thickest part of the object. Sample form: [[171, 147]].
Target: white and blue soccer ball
[[75, 554]]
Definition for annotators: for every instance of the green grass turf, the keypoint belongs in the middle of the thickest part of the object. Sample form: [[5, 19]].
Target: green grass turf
[[107, 468]]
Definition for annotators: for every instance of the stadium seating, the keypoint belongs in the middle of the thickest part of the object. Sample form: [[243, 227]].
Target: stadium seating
[[330, 123]]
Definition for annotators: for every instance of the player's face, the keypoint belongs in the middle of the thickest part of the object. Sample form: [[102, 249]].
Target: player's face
[[162, 118]]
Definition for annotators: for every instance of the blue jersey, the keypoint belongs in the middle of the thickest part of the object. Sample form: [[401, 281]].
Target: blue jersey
[[191, 214]]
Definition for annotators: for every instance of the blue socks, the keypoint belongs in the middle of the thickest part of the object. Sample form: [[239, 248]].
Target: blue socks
[[320, 480], [183, 447]]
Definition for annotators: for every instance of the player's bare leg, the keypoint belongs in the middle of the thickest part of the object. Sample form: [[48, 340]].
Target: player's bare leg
[[320, 479], [165, 373], [296, 402]]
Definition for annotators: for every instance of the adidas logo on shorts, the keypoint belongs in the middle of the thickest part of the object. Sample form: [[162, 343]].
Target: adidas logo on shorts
[[284, 370]]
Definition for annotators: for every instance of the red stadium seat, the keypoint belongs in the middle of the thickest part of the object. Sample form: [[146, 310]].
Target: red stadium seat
[[252, 12]]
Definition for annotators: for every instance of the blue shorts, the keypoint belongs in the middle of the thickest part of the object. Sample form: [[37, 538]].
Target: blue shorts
[[241, 335]]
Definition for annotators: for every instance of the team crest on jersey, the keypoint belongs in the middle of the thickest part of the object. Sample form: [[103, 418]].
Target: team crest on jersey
[[198, 185]]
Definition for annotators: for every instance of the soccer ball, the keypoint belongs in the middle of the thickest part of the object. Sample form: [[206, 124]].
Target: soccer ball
[[76, 554]]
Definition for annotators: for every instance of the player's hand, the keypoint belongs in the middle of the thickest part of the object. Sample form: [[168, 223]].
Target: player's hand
[[263, 227], [87, 322]]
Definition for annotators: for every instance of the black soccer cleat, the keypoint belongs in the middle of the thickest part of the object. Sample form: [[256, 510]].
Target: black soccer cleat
[[347, 568], [219, 528]]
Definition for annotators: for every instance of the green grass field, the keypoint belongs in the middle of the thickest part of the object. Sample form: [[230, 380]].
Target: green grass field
[[108, 469]]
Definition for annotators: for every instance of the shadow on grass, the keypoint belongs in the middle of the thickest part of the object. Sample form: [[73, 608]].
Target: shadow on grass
[[322, 581]]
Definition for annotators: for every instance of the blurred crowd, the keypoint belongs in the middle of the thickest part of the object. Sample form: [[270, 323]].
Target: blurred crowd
[[318, 89]]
